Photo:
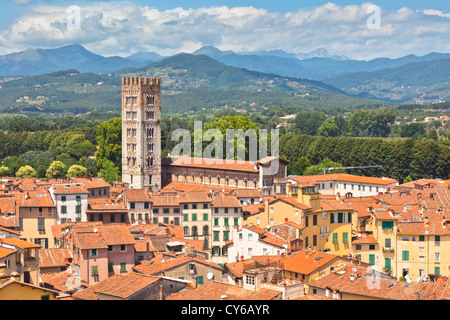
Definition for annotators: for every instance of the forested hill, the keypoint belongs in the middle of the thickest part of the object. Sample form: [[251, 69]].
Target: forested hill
[[189, 82]]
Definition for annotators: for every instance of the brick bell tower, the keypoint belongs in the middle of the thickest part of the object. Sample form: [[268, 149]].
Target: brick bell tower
[[141, 132]]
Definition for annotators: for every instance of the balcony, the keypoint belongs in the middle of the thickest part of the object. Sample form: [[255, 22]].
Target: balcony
[[388, 250]]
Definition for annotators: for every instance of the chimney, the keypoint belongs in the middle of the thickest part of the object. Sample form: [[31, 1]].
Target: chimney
[[15, 276]]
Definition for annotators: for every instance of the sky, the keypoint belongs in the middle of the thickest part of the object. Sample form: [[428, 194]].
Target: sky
[[360, 30]]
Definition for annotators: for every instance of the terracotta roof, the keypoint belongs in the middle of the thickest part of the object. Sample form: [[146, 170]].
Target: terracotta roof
[[137, 195], [365, 238], [291, 201], [313, 296], [4, 252], [116, 234], [69, 188], [7, 204], [253, 208], [101, 204], [247, 193], [159, 266], [54, 257], [225, 201], [213, 290], [91, 183], [268, 237], [20, 243], [62, 281], [343, 177], [193, 162], [238, 268], [122, 286], [165, 200], [194, 197], [306, 261], [34, 198], [183, 186]]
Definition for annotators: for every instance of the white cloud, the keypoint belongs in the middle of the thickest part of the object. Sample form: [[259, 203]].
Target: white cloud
[[123, 28]]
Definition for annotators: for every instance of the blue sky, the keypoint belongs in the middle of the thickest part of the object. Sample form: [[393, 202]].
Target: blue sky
[[124, 27]]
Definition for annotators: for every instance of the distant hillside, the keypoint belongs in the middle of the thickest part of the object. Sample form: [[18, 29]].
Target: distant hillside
[[429, 80], [187, 71], [41, 61], [189, 83]]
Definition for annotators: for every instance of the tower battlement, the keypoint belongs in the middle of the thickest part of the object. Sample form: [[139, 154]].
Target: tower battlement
[[136, 81]]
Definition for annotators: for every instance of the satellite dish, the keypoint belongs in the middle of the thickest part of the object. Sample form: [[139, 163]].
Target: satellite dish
[[210, 275]]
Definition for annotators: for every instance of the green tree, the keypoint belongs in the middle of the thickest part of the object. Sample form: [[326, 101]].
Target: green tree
[[76, 171], [407, 179], [109, 172], [299, 167], [26, 171], [109, 140], [323, 166], [308, 122], [328, 128], [55, 170], [4, 171]]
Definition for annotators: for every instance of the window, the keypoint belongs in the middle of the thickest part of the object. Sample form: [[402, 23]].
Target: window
[[110, 267], [45, 297], [358, 247], [205, 206], [437, 271], [371, 247], [123, 247], [132, 205], [94, 270], [421, 238], [306, 221], [94, 252], [156, 211], [250, 237], [324, 215], [194, 217], [335, 238], [405, 238], [166, 210], [345, 237], [205, 217], [387, 225], [78, 209], [226, 235], [63, 209], [63, 198], [250, 280], [314, 240], [315, 220], [387, 263], [185, 217], [225, 221], [321, 231], [41, 224], [216, 235], [250, 251], [437, 256], [332, 218], [146, 205], [405, 255], [437, 241], [150, 101], [123, 267], [110, 248]]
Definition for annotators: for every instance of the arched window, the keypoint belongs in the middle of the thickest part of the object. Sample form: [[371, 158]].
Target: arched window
[[205, 230], [194, 231], [186, 231]]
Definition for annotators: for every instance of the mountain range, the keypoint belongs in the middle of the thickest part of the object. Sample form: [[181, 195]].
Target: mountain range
[[405, 79]]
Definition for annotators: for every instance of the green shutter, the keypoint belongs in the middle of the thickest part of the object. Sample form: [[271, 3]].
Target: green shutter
[[185, 217], [371, 258], [340, 217], [405, 255], [387, 225], [387, 263], [437, 241], [205, 217], [345, 237], [94, 271], [216, 221], [349, 217], [200, 279], [335, 238], [236, 221], [437, 271], [110, 267], [20, 224]]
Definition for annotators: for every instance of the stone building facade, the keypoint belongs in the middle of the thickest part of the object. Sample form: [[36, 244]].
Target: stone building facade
[[141, 132]]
